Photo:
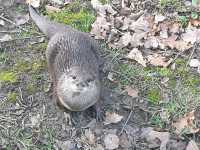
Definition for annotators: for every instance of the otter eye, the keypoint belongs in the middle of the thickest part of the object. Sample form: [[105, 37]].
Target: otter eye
[[73, 77]]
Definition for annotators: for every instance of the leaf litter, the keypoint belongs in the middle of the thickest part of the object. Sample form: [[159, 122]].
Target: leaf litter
[[142, 33]]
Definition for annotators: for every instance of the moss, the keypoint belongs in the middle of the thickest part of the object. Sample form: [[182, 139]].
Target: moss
[[164, 72], [172, 3], [104, 1], [153, 95], [4, 58], [38, 65], [12, 96], [80, 20], [22, 66], [31, 88], [8, 76]]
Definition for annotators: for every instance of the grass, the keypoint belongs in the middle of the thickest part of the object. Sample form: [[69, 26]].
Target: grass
[[182, 88], [80, 19]]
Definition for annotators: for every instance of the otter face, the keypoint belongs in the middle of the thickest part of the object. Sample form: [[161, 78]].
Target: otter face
[[78, 90]]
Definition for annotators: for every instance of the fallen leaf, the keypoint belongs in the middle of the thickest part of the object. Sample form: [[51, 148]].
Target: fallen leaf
[[173, 43], [151, 136], [65, 144], [186, 123], [151, 42], [125, 39], [158, 60], [136, 55], [34, 3], [194, 63], [110, 76], [22, 19], [100, 28], [174, 27], [102, 9], [35, 120], [131, 91], [52, 9], [192, 145], [191, 35], [112, 117], [2, 22], [159, 18], [195, 22], [99, 147], [66, 2], [90, 136], [6, 37], [141, 25], [111, 141]]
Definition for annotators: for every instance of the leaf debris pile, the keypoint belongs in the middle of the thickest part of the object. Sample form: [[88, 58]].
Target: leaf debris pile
[[150, 39]]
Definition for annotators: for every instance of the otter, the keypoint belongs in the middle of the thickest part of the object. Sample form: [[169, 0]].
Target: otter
[[72, 59]]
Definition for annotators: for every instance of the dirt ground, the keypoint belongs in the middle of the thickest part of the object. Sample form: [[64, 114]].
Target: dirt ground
[[30, 119]]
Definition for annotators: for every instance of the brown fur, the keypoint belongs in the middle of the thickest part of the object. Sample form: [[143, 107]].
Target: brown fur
[[72, 60]]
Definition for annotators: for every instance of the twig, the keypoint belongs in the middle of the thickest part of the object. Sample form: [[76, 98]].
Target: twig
[[123, 4], [9, 31], [193, 50], [24, 38], [6, 19], [21, 98], [129, 116]]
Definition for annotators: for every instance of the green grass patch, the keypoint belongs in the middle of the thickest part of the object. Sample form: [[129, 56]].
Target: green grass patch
[[8, 76], [153, 95], [12, 96], [80, 20]]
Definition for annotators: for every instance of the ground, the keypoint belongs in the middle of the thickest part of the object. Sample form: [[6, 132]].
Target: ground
[[141, 104]]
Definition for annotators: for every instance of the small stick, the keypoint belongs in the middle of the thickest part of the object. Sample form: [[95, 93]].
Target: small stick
[[193, 50], [6, 19], [129, 116]]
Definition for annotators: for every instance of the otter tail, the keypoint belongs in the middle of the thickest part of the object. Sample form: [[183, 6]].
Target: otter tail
[[49, 28]]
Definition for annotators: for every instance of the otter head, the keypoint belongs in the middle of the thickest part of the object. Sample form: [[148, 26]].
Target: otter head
[[78, 89]]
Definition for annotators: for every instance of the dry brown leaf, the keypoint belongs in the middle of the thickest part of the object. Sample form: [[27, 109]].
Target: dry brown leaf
[[192, 145], [136, 39], [159, 18], [191, 35], [125, 39], [195, 22], [51, 9], [186, 123], [174, 27], [102, 9], [100, 28], [90, 136], [151, 42], [150, 135], [2, 22], [136, 55], [111, 141], [34, 3], [194, 63], [158, 60], [6, 37], [131, 91], [141, 25], [172, 43], [110, 77], [112, 117]]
